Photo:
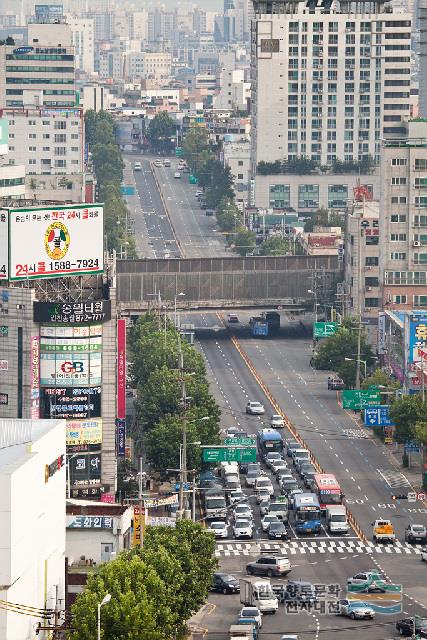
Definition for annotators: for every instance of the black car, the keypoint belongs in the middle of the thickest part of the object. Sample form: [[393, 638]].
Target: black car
[[406, 627], [225, 583], [277, 531]]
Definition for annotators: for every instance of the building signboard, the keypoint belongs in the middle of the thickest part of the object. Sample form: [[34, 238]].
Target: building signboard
[[71, 402], [4, 365], [153, 503], [90, 522], [56, 241], [84, 432], [121, 369], [70, 369], [4, 245], [4, 398], [53, 467], [85, 469], [120, 438], [72, 312], [415, 337], [87, 492], [4, 331], [35, 377]]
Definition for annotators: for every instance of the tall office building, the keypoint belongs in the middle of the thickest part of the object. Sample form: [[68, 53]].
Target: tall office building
[[328, 82], [422, 21], [403, 219]]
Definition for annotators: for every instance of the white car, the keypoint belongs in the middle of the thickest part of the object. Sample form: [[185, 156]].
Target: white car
[[243, 528], [271, 457], [424, 556], [137, 166], [236, 496], [255, 408], [177, 175], [220, 529], [264, 482], [243, 511], [276, 421], [263, 494], [278, 465], [158, 162], [252, 612], [355, 610], [267, 520]]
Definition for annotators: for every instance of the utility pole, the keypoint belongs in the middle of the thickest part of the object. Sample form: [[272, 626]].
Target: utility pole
[[359, 303], [140, 501], [183, 460]]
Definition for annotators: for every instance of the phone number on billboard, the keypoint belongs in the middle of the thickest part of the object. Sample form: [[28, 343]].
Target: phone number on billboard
[[63, 265]]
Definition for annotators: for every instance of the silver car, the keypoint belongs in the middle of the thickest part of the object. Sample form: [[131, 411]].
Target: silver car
[[243, 528]]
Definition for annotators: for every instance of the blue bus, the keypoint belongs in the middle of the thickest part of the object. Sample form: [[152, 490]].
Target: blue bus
[[269, 440], [307, 513]]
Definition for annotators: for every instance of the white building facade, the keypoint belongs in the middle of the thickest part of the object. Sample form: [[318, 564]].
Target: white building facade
[[82, 34], [32, 531]]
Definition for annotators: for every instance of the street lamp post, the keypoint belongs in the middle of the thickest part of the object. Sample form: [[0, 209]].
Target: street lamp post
[[314, 293], [106, 599], [358, 360], [175, 299]]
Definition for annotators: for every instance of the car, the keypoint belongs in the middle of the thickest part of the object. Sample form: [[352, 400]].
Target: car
[[251, 477], [255, 408], [267, 520], [406, 627], [367, 582], [278, 465], [305, 469], [290, 446], [263, 494], [210, 212], [166, 163], [355, 609], [264, 482], [300, 591], [277, 422], [177, 175], [424, 556], [289, 636], [252, 612], [225, 583], [137, 166], [158, 162], [243, 528], [269, 566], [264, 506], [335, 383], [232, 318], [254, 466], [416, 533], [242, 511], [284, 474], [220, 529], [287, 486], [271, 456], [277, 531], [236, 496], [300, 460]]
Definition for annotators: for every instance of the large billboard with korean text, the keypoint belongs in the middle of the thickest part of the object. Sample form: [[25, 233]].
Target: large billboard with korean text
[[4, 245], [52, 242]]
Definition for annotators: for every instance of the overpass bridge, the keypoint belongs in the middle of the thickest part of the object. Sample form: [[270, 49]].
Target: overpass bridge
[[219, 283]]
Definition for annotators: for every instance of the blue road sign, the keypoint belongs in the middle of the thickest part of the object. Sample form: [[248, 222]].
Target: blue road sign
[[185, 487], [378, 416], [412, 447]]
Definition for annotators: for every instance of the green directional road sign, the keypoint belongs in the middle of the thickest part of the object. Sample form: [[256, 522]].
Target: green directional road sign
[[324, 329], [240, 442], [360, 398], [229, 454]]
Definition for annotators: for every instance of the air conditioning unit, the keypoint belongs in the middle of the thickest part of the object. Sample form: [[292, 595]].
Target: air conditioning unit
[[416, 243], [368, 288]]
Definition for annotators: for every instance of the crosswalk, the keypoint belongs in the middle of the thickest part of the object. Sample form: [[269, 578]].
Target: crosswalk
[[309, 547], [394, 479]]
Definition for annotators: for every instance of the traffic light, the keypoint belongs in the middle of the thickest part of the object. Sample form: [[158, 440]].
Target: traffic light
[[399, 497]]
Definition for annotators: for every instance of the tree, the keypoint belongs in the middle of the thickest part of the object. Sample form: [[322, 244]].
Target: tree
[[380, 379], [333, 351], [275, 246], [245, 242], [269, 168], [195, 142], [161, 132], [407, 412], [228, 216], [323, 218]]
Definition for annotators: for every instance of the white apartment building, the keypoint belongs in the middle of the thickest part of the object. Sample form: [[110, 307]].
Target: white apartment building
[[32, 539], [41, 74], [82, 33], [46, 141], [403, 220], [361, 255], [12, 181], [237, 156], [111, 64], [142, 64], [138, 25], [328, 84], [234, 92]]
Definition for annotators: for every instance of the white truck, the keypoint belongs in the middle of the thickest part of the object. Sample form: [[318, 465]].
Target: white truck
[[243, 632], [383, 531], [257, 592], [336, 518]]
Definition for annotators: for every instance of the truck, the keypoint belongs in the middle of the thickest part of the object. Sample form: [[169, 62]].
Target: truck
[[272, 318], [259, 326], [279, 508], [383, 531], [215, 505], [336, 518], [243, 632], [257, 592]]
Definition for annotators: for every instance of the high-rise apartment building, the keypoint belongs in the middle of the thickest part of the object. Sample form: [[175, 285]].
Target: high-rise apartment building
[[328, 82], [422, 20], [83, 39], [403, 219]]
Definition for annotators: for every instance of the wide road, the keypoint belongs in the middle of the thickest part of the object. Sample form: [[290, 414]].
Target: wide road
[[154, 236], [322, 560], [195, 230]]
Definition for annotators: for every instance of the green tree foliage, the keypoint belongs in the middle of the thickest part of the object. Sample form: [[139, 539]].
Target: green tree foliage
[[161, 132], [324, 218], [407, 412], [276, 245], [381, 379], [154, 590], [228, 216], [244, 242], [332, 351], [195, 143]]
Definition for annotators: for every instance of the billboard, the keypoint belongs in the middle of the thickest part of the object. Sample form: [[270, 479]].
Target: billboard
[[71, 332], [121, 369], [4, 245], [71, 402], [120, 438], [84, 432], [56, 241], [415, 337], [72, 312], [85, 469], [70, 369], [35, 377]]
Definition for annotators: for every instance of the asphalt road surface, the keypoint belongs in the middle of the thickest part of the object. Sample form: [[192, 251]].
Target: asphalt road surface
[[337, 443]]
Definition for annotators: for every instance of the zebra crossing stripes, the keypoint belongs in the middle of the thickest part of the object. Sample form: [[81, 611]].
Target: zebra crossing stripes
[[310, 547], [394, 479]]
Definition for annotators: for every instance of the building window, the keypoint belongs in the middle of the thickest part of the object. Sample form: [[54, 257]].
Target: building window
[[398, 200], [421, 201], [420, 183], [420, 258], [398, 237], [397, 255], [399, 299], [371, 261], [371, 303], [371, 240], [371, 282], [420, 301], [32, 148], [420, 221], [398, 181], [60, 124], [337, 195], [32, 161], [279, 196], [308, 196], [398, 217], [420, 164]]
